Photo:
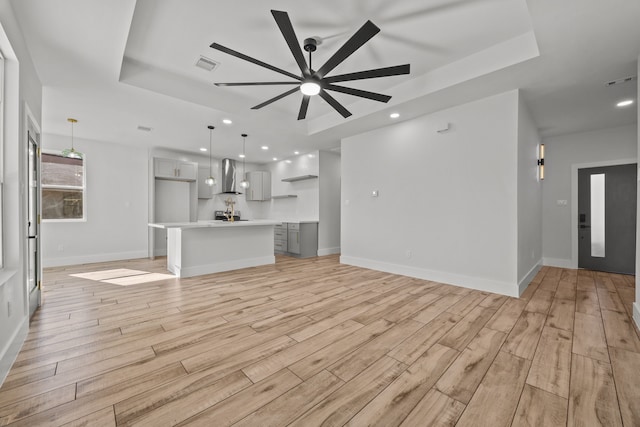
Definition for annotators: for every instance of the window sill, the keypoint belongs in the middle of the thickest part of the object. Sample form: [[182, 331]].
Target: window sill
[[5, 275], [64, 220]]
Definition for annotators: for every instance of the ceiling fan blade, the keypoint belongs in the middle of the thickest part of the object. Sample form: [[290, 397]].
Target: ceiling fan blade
[[257, 83], [361, 93], [396, 70], [253, 60], [284, 23], [361, 36], [303, 107], [335, 104], [275, 98]]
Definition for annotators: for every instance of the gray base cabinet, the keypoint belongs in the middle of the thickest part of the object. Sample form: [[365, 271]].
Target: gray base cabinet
[[296, 239], [280, 238]]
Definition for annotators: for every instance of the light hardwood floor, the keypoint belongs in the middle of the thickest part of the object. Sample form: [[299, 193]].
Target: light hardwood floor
[[312, 342]]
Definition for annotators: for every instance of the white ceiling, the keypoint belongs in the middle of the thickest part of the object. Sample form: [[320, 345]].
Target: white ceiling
[[118, 64]]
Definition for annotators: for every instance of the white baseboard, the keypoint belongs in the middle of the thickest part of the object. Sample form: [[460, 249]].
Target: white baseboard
[[11, 350], [199, 270], [328, 251], [558, 262], [524, 283], [488, 285], [636, 313], [88, 259]]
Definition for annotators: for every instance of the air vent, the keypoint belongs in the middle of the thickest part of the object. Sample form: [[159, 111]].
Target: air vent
[[144, 128], [623, 80], [206, 63]]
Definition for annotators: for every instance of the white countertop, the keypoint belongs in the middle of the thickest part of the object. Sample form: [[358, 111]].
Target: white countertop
[[216, 224]]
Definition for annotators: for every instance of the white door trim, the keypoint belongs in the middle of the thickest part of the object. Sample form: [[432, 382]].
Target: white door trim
[[29, 118]]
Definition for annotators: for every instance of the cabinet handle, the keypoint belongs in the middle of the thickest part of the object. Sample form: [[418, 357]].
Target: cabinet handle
[[298, 237]]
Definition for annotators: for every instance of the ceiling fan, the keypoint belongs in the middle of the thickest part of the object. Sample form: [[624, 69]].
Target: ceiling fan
[[315, 82]]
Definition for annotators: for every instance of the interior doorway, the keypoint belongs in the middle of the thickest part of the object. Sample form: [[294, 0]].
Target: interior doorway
[[33, 216], [607, 218]]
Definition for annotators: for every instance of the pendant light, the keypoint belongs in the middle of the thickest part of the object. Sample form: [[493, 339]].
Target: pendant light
[[211, 181], [244, 183], [71, 152]]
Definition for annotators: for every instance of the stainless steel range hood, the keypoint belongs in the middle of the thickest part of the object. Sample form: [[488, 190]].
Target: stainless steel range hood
[[228, 181]]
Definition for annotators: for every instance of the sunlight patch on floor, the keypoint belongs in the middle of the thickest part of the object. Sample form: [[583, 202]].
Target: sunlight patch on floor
[[109, 274], [142, 278], [123, 276]]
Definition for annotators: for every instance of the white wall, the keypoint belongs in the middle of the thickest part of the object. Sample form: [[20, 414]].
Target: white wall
[[329, 220], [447, 205], [116, 206], [304, 207], [529, 199], [22, 87], [562, 153], [636, 305]]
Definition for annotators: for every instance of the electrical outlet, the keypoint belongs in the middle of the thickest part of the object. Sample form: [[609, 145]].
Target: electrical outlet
[[408, 253], [60, 247]]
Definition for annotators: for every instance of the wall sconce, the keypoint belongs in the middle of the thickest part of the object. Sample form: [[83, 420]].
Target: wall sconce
[[541, 161]]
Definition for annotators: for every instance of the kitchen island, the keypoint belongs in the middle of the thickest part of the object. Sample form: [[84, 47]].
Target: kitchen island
[[204, 247]]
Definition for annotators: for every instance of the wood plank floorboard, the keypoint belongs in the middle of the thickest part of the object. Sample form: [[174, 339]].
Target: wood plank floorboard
[[309, 342]]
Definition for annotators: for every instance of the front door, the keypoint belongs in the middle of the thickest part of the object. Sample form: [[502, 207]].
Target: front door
[[33, 222], [607, 218]]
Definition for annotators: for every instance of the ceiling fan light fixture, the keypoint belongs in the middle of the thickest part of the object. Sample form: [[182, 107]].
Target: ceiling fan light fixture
[[310, 88], [312, 81]]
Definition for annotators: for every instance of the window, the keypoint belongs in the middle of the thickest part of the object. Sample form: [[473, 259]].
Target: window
[[63, 187]]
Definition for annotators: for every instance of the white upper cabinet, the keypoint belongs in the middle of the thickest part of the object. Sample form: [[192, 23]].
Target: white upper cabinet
[[259, 186], [175, 169]]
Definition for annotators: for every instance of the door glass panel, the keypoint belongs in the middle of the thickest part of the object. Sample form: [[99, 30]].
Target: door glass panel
[[597, 215], [32, 213]]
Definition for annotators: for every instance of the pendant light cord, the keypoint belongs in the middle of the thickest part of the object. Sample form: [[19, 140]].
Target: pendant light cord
[[244, 153]]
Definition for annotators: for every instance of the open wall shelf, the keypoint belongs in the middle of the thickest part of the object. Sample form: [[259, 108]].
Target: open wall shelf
[[299, 178]]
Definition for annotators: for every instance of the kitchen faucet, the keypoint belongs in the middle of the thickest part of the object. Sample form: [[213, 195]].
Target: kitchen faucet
[[230, 215]]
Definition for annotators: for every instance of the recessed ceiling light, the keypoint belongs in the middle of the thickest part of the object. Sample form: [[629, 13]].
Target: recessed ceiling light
[[394, 115], [311, 156], [288, 161], [624, 103], [227, 121], [296, 152], [275, 158], [264, 147], [203, 149], [241, 156]]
